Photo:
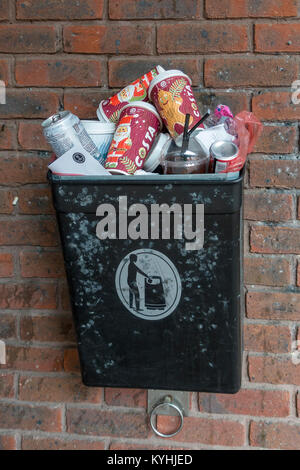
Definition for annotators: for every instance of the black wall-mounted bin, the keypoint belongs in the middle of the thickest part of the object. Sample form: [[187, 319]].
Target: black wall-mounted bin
[[149, 313]]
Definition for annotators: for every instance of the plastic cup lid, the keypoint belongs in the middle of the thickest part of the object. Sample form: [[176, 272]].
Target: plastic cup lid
[[101, 114], [96, 127], [153, 159], [160, 69], [142, 104], [117, 172], [163, 76]]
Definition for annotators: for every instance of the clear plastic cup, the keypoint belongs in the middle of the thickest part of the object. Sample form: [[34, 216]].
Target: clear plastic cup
[[190, 163]]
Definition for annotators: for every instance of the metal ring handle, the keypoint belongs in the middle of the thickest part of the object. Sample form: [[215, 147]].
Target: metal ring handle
[[161, 405]]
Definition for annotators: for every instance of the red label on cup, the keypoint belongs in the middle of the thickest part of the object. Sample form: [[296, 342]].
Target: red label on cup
[[173, 97], [136, 91], [138, 126]]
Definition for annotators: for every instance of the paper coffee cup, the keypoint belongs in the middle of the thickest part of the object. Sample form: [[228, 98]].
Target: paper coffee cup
[[101, 134], [138, 126], [109, 110], [173, 97], [154, 158]]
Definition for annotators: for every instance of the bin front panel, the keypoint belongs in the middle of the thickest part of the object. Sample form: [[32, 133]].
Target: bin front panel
[[150, 313]]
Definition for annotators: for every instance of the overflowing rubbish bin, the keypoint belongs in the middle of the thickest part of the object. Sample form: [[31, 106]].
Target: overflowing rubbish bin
[[154, 266]]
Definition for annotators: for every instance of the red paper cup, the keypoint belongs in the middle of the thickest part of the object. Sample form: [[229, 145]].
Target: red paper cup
[[173, 97], [110, 110], [138, 126]]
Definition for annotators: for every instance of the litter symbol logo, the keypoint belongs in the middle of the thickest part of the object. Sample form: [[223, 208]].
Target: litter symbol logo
[[148, 284]]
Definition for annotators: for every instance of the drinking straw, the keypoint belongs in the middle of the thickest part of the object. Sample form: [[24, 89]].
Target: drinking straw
[[186, 138], [199, 123]]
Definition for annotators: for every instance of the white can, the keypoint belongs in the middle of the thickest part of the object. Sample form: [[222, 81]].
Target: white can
[[222, 155]]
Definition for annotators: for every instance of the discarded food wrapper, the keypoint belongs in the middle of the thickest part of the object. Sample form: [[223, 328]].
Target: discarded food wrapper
[[249, 128], [77, 164], [207, 137]]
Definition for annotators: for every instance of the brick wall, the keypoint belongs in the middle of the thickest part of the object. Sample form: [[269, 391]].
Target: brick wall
[[240, 52]]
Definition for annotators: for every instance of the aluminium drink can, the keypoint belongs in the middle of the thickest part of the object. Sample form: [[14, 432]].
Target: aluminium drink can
[[222, 156], [64, 131]]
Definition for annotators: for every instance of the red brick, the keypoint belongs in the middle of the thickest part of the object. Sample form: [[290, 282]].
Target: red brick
[[31, 136], [164, 9], [273, 305], [6, 265], [277, 37], [34, 359], [112, 39], [6, 201], [59, 10], [274, 370], [35, 418], [277, 139], [275, 173], [201, 38], [275, 240], [5, 74], [267, 206], [96, 422], [278, 436], [28, 295], [35, 201], [121, 446], [41, 232], [8, 442], [16, 169], [258, 71], [6, 386], [59, 72], [275, 105], [247, 402], [298, 274], [7, 136], [249, 8], [50, 329], [267, 271], [42, 264], [126, 397], [210, 100], [29, 103], [124, 71], [57, 389], [84, 103], [267, 338], [65, 298], [28, 38], [204, 431], [8, 326], [59, 443], [71, 360], [4, 15]]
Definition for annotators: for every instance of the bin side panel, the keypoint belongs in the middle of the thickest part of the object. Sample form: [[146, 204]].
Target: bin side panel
[[77, 198], [196, 347]]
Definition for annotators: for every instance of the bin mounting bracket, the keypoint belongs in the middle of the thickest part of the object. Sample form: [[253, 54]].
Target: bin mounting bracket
[[167, 402], [158, 396]]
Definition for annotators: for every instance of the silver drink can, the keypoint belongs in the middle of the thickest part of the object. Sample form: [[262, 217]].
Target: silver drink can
[[222, 155], [64, 131]]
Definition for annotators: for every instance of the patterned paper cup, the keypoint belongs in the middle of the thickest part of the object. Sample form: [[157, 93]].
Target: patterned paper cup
[[138, 126], [173, 97], [110, 110]]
